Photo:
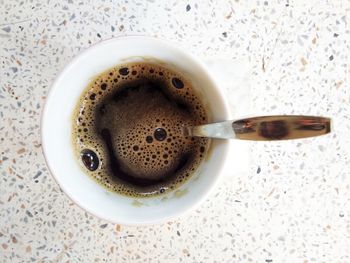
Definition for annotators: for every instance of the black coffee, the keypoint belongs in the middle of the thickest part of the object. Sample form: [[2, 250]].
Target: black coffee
[[127, 129]]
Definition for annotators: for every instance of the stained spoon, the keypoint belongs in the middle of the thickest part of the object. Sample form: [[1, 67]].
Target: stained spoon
[[264, 128]]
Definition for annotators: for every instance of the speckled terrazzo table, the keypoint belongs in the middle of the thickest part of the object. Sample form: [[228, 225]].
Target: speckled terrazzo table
[[290, 204]]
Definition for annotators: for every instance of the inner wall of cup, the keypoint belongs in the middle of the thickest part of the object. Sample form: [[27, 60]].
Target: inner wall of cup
[[56, 132]]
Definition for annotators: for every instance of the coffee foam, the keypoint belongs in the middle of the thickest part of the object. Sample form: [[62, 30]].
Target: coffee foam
[[131, 101]]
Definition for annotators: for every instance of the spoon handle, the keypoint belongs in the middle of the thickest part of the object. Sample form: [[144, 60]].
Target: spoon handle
[[264, 128]]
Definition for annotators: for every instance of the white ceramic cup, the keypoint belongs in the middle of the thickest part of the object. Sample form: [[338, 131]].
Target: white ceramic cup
[[57, 131]]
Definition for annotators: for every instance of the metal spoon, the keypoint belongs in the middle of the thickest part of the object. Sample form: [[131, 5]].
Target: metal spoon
[[264, 128]]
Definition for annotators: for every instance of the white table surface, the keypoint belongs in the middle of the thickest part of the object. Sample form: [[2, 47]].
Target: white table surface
[[289, 203]]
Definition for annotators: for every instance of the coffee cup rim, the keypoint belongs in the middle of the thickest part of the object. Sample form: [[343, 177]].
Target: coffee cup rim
[[49, 97]]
